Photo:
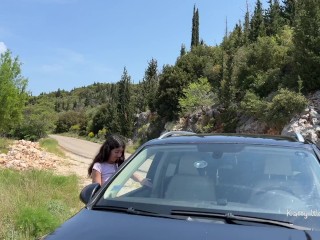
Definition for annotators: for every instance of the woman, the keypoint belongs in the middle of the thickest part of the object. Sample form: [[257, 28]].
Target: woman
[[108, 160]]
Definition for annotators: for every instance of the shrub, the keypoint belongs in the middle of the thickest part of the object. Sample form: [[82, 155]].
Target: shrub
[[91, 135], [277, 112], [283, 107]]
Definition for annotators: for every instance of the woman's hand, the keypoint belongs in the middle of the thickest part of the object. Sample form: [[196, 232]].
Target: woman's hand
[[143, 181], [146, 182]]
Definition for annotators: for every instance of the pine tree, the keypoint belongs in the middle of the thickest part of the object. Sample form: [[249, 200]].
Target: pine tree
[[125, 111], [257, 25], [246, 26], [307, 43], [150, 84], [183, 50], [289, 11], [274, 20], [195, 28]]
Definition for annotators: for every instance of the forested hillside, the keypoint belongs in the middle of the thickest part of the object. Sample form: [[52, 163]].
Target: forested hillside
[[263, 68]]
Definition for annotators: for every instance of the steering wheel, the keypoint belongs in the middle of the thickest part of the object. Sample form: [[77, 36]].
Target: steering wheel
[[268, 189]]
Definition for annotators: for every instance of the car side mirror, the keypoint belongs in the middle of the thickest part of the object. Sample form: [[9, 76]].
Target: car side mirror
[[88, 192]]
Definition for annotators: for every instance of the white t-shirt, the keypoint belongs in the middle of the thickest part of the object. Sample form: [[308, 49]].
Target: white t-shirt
[[106, 169]]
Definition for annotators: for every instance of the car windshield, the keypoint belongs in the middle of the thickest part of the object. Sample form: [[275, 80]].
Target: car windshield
[[273, 182]]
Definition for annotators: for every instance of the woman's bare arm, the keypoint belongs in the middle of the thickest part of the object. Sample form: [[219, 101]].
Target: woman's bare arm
[[96, 176]]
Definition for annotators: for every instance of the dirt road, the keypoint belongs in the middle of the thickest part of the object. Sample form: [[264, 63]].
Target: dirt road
[[84, 149], [80, 153]]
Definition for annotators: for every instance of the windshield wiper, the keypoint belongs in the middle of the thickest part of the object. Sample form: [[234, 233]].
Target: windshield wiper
[[234, 219], [134, 211]]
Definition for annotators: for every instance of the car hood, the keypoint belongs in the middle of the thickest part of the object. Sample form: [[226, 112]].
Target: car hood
[[91, 224]]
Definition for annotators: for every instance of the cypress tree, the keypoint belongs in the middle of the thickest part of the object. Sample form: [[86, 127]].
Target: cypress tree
[[150, 83], [274, 21], [195, 28], [125, 111], [307, 43], [289, 11], [246, 26], [257, 25], [183, 50]]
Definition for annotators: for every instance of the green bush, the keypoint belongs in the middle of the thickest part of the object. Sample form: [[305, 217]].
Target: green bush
[[35, 202], [36, 221], [91, 135], [4, 145], [197, 95], [102, 133], [284, 106], [278, 111], [75, 128]]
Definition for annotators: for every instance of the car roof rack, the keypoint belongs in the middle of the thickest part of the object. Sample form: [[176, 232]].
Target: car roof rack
[[299, 137], [175, 133]]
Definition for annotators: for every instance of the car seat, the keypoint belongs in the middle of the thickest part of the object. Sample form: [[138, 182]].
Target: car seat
[[189, 183]]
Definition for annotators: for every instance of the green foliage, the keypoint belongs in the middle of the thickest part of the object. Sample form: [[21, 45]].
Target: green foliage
[[230, 119], [277, 47], [252, 105], [35, 220], [197, 95], [39, 120], [12, 92], [4, 145], [171, 83], [199, 62], [274, 20], [289, 11], [259, 66], [150, 86], [283, 107], [257, 24], [75, 128], [35, 202], [195, 28], [102, 133], [51, 145], [91, 135], [125, 106], [70, 118], [307, 43]]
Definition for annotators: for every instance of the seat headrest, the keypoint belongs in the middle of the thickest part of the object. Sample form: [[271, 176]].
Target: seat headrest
[[278, 165]]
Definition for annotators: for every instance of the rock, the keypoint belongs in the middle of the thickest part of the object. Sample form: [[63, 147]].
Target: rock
[[24, 155], [308, 122]]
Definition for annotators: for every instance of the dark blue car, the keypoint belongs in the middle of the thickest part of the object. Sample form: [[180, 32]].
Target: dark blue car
[[206, 187]]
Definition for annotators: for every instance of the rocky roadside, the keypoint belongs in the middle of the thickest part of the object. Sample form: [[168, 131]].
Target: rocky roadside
[[25, 155]]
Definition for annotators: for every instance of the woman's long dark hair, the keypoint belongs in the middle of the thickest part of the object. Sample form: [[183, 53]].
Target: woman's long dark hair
[[112, 142]]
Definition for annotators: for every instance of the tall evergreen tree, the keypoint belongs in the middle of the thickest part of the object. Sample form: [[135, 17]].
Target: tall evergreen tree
[[150, 83], [257, 25], [125, 111], [246, 26], [172, 80], [183, 50], [274, 20], [289, 11], [307, 43], [195, 28]]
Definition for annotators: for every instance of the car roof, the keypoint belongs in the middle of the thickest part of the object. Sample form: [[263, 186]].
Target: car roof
[[230, 138]]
